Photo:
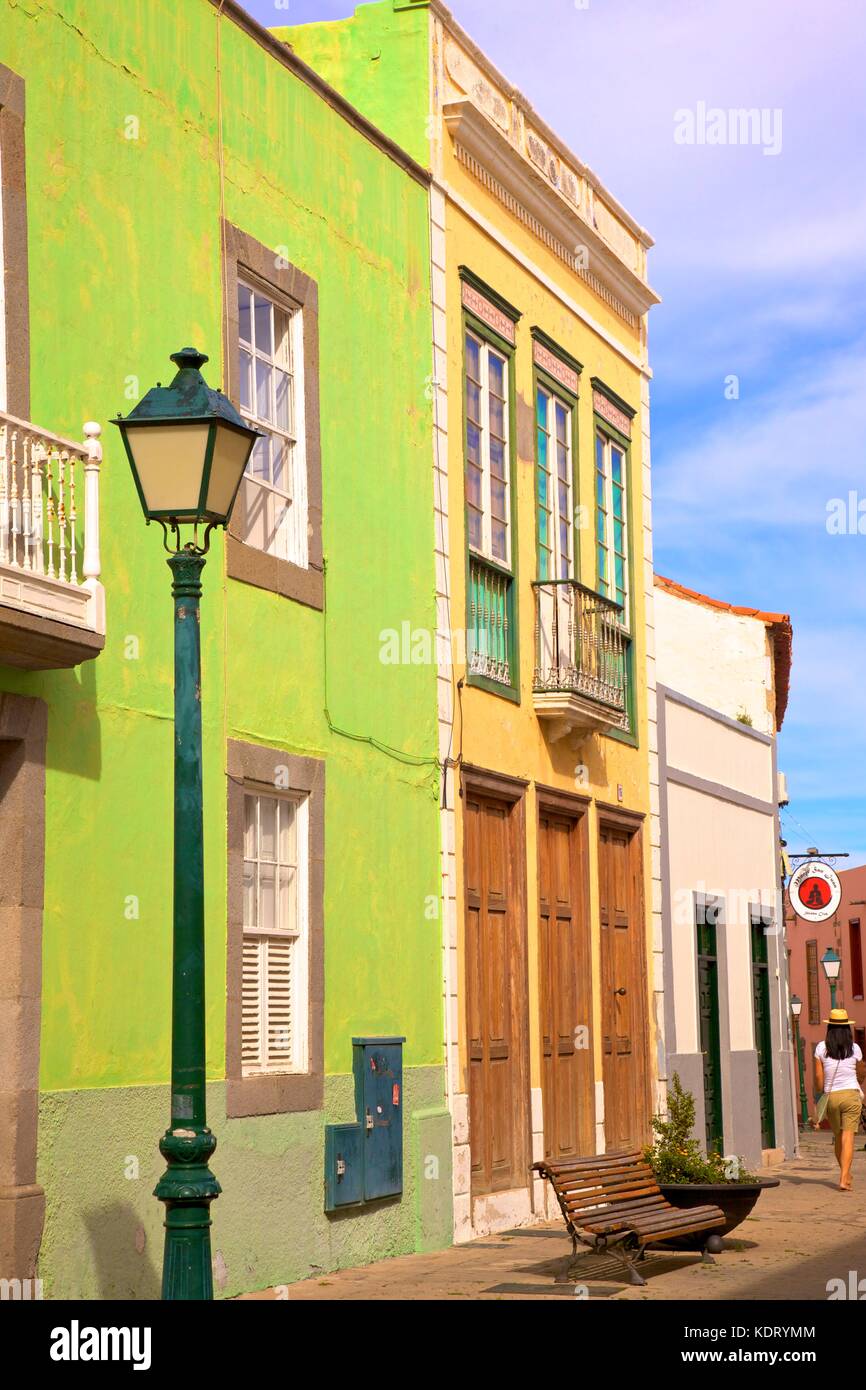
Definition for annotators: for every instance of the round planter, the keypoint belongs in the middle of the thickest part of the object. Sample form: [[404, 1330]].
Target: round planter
[[736, 1200]]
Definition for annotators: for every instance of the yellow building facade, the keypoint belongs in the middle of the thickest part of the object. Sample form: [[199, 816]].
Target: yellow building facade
[[544, 587]]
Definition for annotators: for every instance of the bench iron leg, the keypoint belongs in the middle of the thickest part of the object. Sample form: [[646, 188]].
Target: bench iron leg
[[620, 1252]]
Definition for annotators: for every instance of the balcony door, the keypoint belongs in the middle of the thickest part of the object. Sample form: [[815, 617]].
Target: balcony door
[[625, 1042], [555, 511], [565, 993], [497, 1013]]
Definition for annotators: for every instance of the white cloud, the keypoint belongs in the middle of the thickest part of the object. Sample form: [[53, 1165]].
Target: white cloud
[[775, 462]]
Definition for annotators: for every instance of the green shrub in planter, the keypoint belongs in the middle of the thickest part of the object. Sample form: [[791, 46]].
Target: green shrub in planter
[[675, 1157]]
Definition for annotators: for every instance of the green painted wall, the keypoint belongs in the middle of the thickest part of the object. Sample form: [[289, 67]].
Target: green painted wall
[[103, 1228], [380, 60], [124, 269]]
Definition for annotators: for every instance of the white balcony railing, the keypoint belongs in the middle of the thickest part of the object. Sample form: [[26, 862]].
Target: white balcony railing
[[49, 562]]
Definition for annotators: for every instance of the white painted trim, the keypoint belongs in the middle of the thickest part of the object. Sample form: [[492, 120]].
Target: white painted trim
[[44, 597]]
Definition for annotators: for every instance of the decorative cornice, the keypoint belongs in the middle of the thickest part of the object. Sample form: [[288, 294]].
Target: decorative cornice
[[599, 385], [554, 360], [525, 188], [488, 306], [603, 407], [514, 95], [469, 277], [556, 286], [612, 407]]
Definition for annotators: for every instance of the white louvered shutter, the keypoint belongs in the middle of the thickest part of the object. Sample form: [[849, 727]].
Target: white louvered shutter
[[274, 983], [278, 1003]]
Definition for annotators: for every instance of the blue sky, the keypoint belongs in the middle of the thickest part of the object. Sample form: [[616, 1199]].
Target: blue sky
[[759, 260]]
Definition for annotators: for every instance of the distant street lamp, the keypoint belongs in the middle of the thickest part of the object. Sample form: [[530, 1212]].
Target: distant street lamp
[[832, 964], [187, 447], [796, 1010]]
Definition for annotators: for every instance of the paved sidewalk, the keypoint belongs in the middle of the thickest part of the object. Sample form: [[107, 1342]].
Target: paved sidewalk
[[801, 1235]]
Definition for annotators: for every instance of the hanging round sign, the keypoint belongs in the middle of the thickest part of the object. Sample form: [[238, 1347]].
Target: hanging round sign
[[815, 891]]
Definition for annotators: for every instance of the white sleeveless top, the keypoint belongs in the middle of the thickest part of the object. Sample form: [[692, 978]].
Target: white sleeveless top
[[842, 1075]]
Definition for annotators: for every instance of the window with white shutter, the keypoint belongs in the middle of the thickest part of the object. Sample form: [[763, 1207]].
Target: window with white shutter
[[274, 492], [274, 991]]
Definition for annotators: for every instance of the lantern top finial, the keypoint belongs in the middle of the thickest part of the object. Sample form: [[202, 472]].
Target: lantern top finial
[[189, 357]]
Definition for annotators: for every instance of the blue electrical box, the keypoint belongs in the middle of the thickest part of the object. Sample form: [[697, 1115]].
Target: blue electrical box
[[378, 1068], [344, 1166], [364, 1159]]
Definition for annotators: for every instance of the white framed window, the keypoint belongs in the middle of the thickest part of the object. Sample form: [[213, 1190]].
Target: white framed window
[[488, 451], [555, 485], [275, 978], [271, 366], [611, 521]]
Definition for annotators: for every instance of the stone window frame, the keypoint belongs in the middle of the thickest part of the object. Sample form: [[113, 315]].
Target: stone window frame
[[16, 325], [293, 290], [254, 767]]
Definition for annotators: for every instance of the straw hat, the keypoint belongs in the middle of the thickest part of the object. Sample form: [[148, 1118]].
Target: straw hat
[[839, 1019]]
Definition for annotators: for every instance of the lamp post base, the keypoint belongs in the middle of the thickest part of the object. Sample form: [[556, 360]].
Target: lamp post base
[[187, 1187]]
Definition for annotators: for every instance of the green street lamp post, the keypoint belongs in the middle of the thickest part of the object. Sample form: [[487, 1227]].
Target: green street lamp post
[[796, 1010], [187, 447], [832, 964]]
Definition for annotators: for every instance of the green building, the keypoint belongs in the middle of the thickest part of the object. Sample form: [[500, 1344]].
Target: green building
[[173, 174]]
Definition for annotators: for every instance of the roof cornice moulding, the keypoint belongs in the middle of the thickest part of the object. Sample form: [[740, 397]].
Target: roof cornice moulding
[[509, 168], [466, 42]]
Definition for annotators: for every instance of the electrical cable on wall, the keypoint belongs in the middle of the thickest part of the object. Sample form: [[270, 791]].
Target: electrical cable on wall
[[410, 759]]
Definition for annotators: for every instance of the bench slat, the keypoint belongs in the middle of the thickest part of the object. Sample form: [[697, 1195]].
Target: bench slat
[[592, 1197], [603, 1213], [595, 1164], [614, 1175], [642, 1223], [664, 1230], [647, 1238], [606, 1184]]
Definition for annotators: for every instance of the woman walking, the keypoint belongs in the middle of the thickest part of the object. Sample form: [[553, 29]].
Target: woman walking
[[838, 1071]]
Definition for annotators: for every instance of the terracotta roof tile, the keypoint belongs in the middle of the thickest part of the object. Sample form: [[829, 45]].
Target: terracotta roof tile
[[778, 623]]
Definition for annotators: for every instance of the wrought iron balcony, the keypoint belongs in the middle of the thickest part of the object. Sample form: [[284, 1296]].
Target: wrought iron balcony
[[52, 604], [581, 658]]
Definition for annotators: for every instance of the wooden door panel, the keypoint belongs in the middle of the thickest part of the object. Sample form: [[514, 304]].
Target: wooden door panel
[[564, 989], [623, 976], [502, 1129], [495, 994], [499, 986]]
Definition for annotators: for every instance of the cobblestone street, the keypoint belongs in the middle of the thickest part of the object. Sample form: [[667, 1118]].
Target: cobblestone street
[[801, 1235]]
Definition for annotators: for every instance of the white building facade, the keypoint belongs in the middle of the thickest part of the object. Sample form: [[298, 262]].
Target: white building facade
[[722, 688]]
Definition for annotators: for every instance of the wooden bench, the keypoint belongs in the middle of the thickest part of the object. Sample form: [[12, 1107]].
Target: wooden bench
[[612, 1202]]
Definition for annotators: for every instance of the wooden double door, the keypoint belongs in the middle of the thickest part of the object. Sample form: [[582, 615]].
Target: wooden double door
[[497, 1013]]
